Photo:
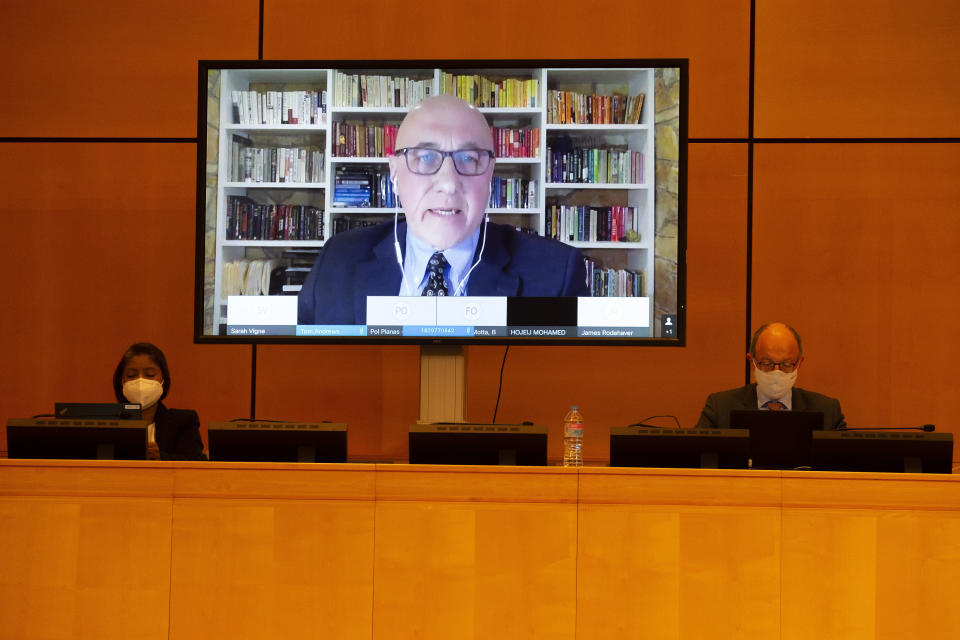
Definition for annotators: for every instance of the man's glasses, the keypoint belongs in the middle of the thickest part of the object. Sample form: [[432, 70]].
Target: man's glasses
[[426, 162], [787, 366]]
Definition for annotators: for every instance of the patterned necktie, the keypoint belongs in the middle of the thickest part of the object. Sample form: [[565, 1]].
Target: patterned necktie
[[774, 405], [436, 282]]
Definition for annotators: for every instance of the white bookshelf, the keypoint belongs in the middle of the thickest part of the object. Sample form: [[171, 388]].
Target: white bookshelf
[[637, 256]]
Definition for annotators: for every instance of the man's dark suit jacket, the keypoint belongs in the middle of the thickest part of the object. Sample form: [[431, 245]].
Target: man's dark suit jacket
[[361, 263], [716, 413], [178, 434]]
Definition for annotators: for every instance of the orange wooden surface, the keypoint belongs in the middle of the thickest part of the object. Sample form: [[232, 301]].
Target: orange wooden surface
[[889, 543], [76, 567], [267, 551], [86, 550], [680, 554], [883, 68], [397, 551], [275, 568], [113, 68], [714, 36], [477, 552], [853, 245]]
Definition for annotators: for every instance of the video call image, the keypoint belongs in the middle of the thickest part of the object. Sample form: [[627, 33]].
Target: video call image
[[471, 200]]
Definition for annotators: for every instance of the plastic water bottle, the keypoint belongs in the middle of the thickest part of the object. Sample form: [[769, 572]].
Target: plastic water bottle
[[573, 438]]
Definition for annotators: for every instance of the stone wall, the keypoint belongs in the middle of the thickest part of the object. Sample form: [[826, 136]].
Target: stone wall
[[667, 123]]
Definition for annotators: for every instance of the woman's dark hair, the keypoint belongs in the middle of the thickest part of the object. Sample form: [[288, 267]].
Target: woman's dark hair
[[141, 349]]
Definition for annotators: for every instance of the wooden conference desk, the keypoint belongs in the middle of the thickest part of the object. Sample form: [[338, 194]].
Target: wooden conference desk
[[225, 550]]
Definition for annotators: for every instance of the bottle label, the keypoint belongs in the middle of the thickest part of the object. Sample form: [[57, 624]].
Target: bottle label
[[573, 430]]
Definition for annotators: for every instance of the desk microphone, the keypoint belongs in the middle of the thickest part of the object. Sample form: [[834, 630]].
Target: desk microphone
[[926, 427]]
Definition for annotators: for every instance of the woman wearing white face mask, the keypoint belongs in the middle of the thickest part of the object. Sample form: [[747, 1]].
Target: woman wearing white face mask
[[142, 376]]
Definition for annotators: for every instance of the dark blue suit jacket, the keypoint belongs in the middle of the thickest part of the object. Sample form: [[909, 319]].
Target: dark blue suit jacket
[[361, 263], [716, 411]]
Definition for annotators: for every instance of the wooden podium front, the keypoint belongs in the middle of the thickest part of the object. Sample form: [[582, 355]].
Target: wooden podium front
[[233, 550]]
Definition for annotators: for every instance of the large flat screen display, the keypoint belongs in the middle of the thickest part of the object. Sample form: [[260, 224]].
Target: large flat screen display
[[460, 201]]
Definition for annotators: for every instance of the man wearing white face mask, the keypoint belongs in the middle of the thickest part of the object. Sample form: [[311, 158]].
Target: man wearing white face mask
[[776, 353], [142, 376]]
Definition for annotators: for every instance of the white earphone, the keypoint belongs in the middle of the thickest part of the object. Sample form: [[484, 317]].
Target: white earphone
[[396, 238]]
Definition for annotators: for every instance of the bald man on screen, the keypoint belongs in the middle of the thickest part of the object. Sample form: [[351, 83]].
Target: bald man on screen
[[441, 172]]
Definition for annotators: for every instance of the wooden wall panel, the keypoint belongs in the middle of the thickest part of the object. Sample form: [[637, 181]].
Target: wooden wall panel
[[99, 242], [114, 68], [853, 244], [889, 543], [475, 553], [714, 36], [84, 568], [267, 568], [118, 549], [857, 69], [257, 549], [678, 554]]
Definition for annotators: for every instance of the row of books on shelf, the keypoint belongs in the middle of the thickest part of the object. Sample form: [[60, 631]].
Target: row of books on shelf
[[279, 107], [518, 193], [605, 282], [379, 91], [351, 140], [596, 166], [510, 142], [481, 91], [275, 164], [249, 220], [571, 107], [365, 140], [252, 277], [584, 223], [362, 187]]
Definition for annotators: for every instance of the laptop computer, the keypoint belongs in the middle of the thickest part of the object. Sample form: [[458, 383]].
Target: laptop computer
[[779, 439]]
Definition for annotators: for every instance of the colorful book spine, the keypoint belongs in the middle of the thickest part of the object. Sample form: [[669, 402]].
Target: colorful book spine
[[300, 165], [516, 143], [359, 140], [483, 92], [379, 91], [585, 223], [596, 166], [254, 107], [250, 220], [514, 193], [571, 107], [363, 187], [607, 282]]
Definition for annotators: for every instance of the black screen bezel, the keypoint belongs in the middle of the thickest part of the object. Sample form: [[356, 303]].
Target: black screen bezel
[[205, 65]]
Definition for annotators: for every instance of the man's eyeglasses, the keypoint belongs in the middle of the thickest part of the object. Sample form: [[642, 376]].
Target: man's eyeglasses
[[787, 366], [426, 162]]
